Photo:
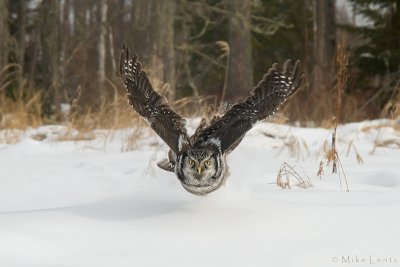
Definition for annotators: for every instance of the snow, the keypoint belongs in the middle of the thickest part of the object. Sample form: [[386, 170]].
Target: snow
[[88, 203]]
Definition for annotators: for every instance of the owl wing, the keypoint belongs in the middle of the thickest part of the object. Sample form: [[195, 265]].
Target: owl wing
[[152, 106], [275, 88]]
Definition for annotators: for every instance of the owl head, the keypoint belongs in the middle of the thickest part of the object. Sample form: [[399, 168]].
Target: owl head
[[200, 171]]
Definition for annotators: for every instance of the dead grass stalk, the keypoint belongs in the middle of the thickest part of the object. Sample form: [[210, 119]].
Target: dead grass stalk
[[288, 177], [332, 156]]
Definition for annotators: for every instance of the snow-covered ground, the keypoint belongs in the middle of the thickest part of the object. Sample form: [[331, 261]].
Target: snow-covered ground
[[88, 203]]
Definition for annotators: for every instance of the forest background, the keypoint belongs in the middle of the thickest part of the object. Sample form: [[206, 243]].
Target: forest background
[[59, 59]]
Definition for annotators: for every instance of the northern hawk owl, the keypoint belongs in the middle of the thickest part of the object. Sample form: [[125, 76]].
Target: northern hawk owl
[[199, 161]]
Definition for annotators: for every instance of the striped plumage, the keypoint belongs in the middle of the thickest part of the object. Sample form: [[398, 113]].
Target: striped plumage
[[199, 161]]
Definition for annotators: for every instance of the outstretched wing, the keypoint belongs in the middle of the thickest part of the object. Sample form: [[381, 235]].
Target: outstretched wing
[[273, 90], [151, 105]]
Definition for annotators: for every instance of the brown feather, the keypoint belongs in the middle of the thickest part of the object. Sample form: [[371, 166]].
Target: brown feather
[[150, 104], [264, 100]]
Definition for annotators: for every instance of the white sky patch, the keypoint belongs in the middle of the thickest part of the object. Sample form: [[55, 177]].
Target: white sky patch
[[355, 19]]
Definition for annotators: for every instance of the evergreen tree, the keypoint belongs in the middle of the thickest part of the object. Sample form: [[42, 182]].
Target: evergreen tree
[[377, 54]]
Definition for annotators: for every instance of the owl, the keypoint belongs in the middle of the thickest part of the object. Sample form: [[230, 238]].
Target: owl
[[199, 161]]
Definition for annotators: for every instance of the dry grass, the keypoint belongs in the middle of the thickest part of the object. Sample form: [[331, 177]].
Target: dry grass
[[296, 146], [377, 127], [22, 109], [313, 108], [389, 143], [288, 177], [150, 171], [332, 156], [380, 129], [19, 110], [381, 142], [350, 147], [342, 61], [321, 172], [390, 110], [22, 112], [130, 141], [392, 107], [25, 112], [10, 136]]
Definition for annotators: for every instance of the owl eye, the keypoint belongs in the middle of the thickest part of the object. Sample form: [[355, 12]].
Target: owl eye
[[207, 162], [191, 162]]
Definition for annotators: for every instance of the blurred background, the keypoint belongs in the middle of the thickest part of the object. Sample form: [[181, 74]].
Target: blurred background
[[59, 59]]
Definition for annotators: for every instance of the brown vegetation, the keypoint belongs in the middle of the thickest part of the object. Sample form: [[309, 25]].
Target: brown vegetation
[[288, 177]]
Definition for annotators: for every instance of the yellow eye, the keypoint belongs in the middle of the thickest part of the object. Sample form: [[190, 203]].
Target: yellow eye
[[191, 162], [207, 162]]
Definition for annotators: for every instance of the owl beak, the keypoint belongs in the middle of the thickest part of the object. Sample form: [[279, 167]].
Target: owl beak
[[199, 169]]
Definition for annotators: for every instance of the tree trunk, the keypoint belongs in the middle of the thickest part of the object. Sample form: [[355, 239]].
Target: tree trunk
[[102, 49], [145, 27], [80, 36], [85, 67], [153, 24], [239, 80], [167, 34], [116, 32], [4, 34], [64, 41], [50, 55], [324, 44], [21, 33]]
